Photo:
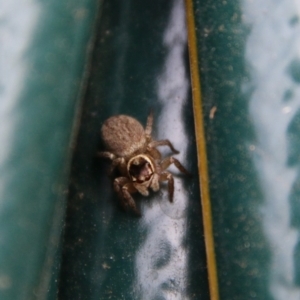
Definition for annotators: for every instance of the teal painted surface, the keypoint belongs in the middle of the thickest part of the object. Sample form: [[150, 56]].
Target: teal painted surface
[[140, 63], [249, 63], [43, 54]]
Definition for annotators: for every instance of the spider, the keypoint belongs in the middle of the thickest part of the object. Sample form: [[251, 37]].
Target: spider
[[133, 152]]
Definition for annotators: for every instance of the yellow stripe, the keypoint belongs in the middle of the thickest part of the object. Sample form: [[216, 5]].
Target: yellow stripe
[[201, 152]]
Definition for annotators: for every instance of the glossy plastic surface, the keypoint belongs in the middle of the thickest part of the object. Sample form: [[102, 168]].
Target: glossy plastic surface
[[249, 65], [43, 53], [140, 63]]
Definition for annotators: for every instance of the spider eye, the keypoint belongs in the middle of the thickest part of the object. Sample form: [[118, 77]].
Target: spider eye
[[140, 172]]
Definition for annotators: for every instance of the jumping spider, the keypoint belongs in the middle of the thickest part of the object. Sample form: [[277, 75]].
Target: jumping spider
[[133, 151]]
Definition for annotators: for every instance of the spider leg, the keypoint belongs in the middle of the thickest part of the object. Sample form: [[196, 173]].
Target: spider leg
[[124, 188], [154, 144], [118, 162], [106, 154], [118, 184], [172, 160], [148, 129], [155, 182], [141, 189], [154, 153], [169, 177], [127, 189]]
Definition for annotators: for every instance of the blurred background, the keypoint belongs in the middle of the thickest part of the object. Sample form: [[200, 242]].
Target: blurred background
[[66, 66]]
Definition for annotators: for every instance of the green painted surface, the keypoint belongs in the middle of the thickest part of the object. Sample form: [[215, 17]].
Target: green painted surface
[[140, 63], [249, 66], [43, 55]]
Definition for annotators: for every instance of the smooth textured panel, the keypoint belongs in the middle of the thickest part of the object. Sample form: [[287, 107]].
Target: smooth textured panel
[[43, 53], [140, 63], [249, 65]]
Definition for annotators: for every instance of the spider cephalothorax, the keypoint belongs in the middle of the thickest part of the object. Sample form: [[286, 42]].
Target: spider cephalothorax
[[132, 150]]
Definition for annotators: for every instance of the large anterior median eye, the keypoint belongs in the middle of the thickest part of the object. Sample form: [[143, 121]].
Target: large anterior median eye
[[140, 172]]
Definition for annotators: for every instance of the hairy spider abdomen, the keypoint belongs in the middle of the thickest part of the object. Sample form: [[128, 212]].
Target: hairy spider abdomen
[[123, 135]]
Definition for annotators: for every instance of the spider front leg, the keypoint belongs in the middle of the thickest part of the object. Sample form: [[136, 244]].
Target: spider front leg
[[124, 189], [155, 182], [142, 189]]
